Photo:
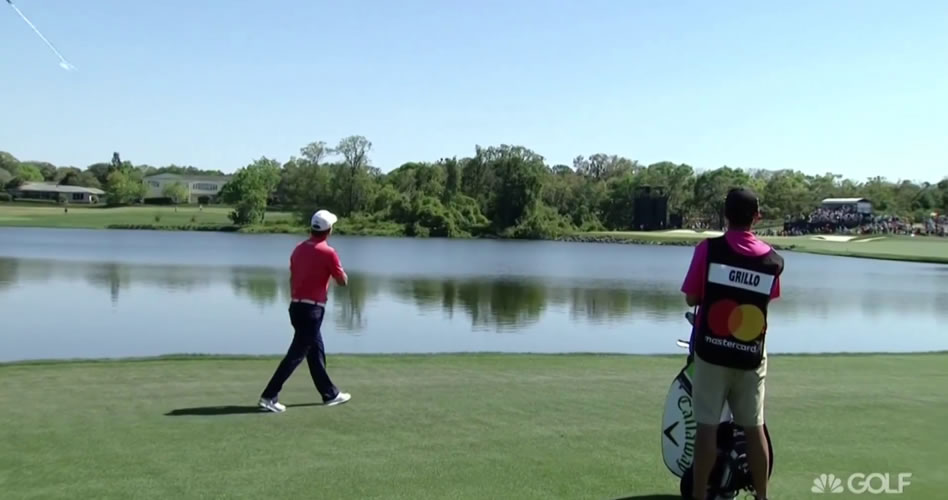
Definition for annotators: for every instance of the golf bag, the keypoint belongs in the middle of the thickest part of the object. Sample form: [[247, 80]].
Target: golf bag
[[731, 472]]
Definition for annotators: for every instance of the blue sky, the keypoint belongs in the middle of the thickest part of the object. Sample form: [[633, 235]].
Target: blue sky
[[854, 87]]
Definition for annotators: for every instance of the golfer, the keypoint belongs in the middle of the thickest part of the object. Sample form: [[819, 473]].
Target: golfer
[[312, 264], [732, 279]]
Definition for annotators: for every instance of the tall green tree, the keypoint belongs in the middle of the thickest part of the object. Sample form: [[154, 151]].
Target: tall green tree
[[452, 179], [477, 178], [943, 194], [249, 189], [618, 206], [352, 177], [677, 180], [602, 166], [26, 172], [124, 186], [176, 192], [308, 188], [8, 162], [177, 170], [517, 175], [315, 152], [711, 189], [100, 171], [786, 193]]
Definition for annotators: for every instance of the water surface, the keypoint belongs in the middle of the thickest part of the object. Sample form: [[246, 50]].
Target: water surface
[[84, 293]]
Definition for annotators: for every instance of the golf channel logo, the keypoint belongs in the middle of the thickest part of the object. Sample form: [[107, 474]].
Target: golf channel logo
[[874, 483]]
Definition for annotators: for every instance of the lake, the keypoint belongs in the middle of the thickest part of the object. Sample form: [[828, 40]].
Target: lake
[[68, 293]]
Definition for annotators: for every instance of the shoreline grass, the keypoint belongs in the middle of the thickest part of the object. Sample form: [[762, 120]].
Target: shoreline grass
[[97, 217], [197, 357], [932, 250], [212, 218], [922, 249], [443, 427]]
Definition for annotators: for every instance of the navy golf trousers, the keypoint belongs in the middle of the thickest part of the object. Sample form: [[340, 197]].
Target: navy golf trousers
[[307, 343]]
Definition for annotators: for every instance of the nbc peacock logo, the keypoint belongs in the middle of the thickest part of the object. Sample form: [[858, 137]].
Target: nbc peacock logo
[[827, 483]]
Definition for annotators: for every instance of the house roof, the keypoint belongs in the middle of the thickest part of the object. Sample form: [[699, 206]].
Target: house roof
[[835, 201], [190, 178], [44, 187]]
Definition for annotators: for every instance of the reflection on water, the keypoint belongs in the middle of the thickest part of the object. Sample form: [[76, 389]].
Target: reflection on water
[[8, 272], [479, 296], [494, 303]]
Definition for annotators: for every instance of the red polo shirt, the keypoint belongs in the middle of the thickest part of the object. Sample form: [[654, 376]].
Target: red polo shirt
[[312, 264]]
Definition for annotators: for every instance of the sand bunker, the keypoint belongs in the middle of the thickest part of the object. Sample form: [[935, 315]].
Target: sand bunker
[[870, 239], [694, 233], [833, 238]]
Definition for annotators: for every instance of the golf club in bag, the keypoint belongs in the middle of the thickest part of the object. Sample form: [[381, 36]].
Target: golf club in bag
[[731, 472]]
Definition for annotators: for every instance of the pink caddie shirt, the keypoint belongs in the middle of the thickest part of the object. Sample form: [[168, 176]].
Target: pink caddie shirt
[[743, 242]]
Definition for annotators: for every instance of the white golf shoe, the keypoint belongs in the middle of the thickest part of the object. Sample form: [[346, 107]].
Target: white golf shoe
[[272, 405], [340, 398]]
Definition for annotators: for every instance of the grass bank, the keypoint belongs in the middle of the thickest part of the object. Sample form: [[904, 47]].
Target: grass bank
[[143, 217], [170, 218], [214, 218], [442, 427], [901, 248]]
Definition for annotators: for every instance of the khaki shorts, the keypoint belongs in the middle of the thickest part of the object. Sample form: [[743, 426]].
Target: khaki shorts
[[743, 390]]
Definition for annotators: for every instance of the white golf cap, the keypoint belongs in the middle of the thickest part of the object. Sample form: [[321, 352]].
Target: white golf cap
[[323, 220]]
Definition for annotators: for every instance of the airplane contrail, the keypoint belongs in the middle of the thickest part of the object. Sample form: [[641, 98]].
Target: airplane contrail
[[63, 63]]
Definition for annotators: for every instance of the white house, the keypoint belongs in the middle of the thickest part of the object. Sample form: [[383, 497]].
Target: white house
[[54, 192], [201, 188]]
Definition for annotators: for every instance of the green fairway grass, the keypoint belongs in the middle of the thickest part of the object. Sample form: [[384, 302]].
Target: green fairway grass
[[443, 427], [33, 215], [930, 249]]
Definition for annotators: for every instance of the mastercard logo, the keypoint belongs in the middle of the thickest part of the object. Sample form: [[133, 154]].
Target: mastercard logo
[[744, 322]]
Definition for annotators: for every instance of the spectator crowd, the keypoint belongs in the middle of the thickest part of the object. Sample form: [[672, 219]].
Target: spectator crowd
[[846, 220]]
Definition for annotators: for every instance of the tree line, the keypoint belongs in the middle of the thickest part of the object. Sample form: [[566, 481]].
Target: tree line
[[504, 190]]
